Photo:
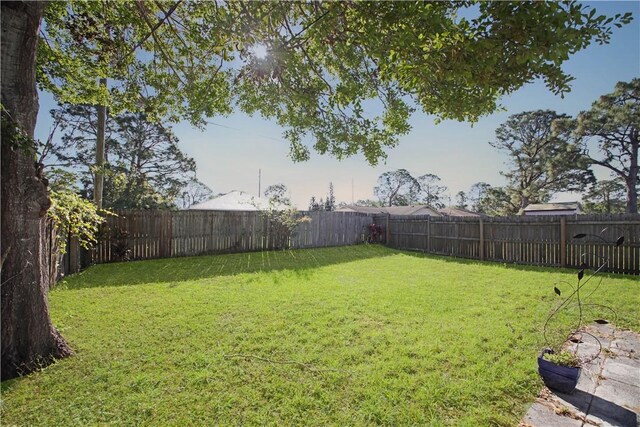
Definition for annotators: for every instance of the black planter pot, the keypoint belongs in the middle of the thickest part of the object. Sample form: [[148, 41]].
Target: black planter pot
[[559, 378]]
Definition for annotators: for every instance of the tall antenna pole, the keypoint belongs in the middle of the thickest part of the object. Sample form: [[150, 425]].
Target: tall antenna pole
[[259, 182], [352, 190]]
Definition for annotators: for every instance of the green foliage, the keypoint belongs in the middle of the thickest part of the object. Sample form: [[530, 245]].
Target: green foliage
[[476, 193], [73, 215], [397, 188], [461, 200], [563, 358], [313, 204], [70, 214], [431, 192], [613, 123], [496, 201], [194, 192], [13, 135], [541, 161], [326, 63], [278, 194], [327, 205], [144, 167], [411, 339], [174, 62], [607, 197], [330, 202], [282, 217], [369, 203]]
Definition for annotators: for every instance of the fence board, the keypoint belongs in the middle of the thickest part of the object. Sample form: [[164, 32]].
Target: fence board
[[520, 240], [162, 234], [543, 241]]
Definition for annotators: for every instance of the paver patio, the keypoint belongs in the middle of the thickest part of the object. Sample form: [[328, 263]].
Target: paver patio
[[608, 392]]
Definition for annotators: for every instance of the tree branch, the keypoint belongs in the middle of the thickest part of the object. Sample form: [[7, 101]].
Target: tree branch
[[155, 27]]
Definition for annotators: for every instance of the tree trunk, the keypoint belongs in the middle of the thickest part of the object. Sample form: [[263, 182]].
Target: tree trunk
[[632, 196], [632, 181], [29, 339], [524, 202]]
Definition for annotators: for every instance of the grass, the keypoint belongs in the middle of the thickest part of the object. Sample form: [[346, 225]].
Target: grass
[[360, 335]]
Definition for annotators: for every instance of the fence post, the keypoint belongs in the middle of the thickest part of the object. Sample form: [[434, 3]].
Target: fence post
[[481, 248], [429, 233], [388, 236], [169, 235], [165, 234], [563, 242]]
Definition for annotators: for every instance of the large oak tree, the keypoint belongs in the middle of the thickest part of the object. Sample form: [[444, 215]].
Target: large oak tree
[[193, 60], [28, 336]]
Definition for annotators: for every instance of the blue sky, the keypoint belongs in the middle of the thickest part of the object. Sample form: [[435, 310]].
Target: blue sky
[[230, 152]]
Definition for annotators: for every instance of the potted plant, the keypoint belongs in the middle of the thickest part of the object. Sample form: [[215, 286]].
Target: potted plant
[[559, 364], [559, 371]]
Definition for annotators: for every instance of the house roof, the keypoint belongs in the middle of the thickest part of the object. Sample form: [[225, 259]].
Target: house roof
[[233, 201], [392, 210], [457, 212], [558, 206]]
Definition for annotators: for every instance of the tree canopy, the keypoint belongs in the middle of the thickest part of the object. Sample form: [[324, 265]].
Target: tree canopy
[[278, 195], [607, 196], [613, 123], [329, 204], [397, 188], [400, 188], [461, 200], [323, 66], [541, 162], [145, 168], [431, 192]]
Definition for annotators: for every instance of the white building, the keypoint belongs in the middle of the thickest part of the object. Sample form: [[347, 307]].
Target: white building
[[559, 208], [391, 210], [234, 201]]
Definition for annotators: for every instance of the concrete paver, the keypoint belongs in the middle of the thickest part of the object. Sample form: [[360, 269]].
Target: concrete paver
[[608, 391]]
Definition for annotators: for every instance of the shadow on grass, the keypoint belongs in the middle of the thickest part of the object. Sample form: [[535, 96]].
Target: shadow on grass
[[299, 262], [9, 384], [174, 270], [510, 266]]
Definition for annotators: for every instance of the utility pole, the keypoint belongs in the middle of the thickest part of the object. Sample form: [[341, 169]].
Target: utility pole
[[259, 182]]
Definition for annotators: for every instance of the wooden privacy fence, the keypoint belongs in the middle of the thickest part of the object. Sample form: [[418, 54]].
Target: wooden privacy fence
[[136, 234], [539, 240]]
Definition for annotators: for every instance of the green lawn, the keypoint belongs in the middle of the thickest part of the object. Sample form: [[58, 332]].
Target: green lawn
[[360, 335]]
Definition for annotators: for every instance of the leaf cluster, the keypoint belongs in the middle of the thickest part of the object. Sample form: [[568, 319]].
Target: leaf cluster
[[341, 77], [612, 125], [541, 161], [563, 358], [73, 215], [144, 166], [282, 221], [606, 196], [13, 135], [400, 188]]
